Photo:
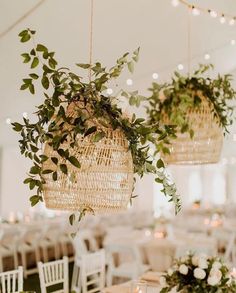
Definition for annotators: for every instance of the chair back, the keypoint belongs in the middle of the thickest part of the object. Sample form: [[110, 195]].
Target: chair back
[[229, 255], [53, 273], [93, 272], [11, 281]]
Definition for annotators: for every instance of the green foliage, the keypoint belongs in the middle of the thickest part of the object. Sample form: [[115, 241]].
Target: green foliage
[[64, 87], [184, 93]]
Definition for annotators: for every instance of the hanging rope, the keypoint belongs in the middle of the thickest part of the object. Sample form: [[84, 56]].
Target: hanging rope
[[189, 38], [91, 39], [24, 16]]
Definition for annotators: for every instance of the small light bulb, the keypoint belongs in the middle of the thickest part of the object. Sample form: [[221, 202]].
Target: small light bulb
[[175, 3], [213, 13], [109, 91], [207, 56], [155, 75], [8, 121], [232, 42], [25, 115], [195, 11], [232, 21], [129, 81], [180, 67], [222, 19]]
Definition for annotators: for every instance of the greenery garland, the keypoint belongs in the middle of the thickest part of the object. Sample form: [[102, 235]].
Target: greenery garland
[[63, 87], [184, 92]]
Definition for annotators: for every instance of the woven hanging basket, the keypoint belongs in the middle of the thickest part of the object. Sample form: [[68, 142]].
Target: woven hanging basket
[[104, 182], [205, 147]]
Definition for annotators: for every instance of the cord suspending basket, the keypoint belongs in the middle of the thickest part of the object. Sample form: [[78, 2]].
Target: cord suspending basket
[[205, 147], [104, 182]]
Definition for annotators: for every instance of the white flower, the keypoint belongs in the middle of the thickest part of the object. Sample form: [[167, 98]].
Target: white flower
[[199, 273], [202, 263], [212, 281], [183, 269], [162, 281], [170, 272], [216, 265], [195, 260], [183, 259]]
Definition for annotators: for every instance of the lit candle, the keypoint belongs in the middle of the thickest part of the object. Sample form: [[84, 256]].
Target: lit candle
[[233, 273], [11, 218]]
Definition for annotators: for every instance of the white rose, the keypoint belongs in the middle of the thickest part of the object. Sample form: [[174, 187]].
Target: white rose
[[170, 272], [215, 273], [216, 265], [183, 269], [162, 281], [199, 273], [183, 259], [202, 263], [195, 260], [213, 280]]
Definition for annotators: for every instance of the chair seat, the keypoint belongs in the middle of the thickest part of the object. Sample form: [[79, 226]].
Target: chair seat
[[6, 252], [26, 247], [129, 269]]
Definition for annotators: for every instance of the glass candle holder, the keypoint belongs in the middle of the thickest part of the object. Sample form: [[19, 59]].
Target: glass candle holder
[[138, 286]]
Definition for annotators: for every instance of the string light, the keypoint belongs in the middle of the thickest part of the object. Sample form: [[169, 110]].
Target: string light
[[8, 121], [175, 3], [207, 56], [155, 75], [232, 22], [213, 13], [109, 91], [195, 11], [180, 67], [129, 82], [232, 42], [222, 19]]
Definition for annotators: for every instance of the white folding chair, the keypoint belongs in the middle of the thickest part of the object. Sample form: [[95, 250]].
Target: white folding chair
[[93, 272], [54, 273], [130, 269], [11, 281], [229, 255], [84, 243]]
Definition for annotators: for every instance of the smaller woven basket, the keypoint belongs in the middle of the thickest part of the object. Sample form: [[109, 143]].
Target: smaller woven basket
[[206, 145], [104, 182]]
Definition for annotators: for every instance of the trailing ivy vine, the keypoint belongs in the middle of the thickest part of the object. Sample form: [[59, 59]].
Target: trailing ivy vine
[[61, 88], [184, 92]]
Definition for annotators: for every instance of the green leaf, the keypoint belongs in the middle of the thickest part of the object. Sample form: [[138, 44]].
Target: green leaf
[[35, 62], [31, 89], [55, 160], [35, 170], [160, 164], [45, 82], [83, 65], [47, 171], [25, 38], [52, 63], [23, 33], [54, 176], [26, 57], [41, 48], [24, 86], [98, 136], [63, 168], [34, 148], [32, 184], [74, 161], [35, 199], [90, 130], [17, 126], [34, 75], [72, 219], [131, 66]]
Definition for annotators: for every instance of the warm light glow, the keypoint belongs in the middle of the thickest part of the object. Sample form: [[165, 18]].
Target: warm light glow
[[213, 13], [180, 67], [232, 21], [11, 217], [206, 221], [195, 11], [222, 19], [109, 91], [129, 81], [8, 121], [155, 75], [175, 3], [232, 42], [207, 56], [159, 235], [233, 273], [147, 233]]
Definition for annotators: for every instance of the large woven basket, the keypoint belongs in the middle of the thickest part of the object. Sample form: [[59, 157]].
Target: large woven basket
[[105, 180], [205, 147]]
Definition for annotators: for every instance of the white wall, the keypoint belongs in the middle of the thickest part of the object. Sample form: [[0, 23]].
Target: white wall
[[13, 193]]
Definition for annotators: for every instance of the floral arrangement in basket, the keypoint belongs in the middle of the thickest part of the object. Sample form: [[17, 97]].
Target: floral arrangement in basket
[[200, 108], [79, 131], [198, 274]]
